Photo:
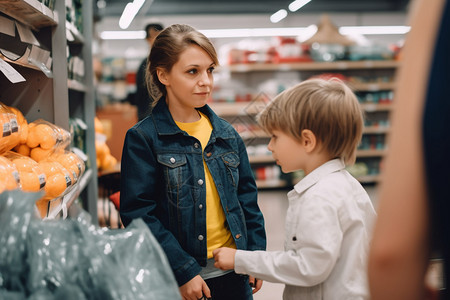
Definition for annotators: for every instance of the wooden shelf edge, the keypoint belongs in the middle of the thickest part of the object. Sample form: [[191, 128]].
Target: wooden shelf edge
[[29, 12]]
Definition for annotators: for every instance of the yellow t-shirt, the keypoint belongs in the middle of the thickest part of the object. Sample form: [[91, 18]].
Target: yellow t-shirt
[[217, 232]]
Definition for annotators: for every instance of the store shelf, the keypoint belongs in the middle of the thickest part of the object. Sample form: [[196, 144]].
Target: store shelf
[[76, 85], [313, 66], [372, 87], [29, 12], [49, 97]]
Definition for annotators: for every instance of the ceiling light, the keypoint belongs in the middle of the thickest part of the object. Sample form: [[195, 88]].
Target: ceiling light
[[278, 16], [296, 5], [130, 11], [266, 32]]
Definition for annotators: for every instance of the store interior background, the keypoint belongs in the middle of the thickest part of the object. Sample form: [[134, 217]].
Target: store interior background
[[120, 59], [252, 71]]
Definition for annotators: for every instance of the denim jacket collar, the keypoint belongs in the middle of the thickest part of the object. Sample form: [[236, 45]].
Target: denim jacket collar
[[165, 125]]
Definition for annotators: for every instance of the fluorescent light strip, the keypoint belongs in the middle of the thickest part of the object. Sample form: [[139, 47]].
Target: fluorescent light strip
[[265, 32], [130, 11], [278, 16], [296, 5]]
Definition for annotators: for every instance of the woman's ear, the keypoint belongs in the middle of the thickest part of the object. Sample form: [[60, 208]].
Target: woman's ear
[[309, 140], [162, 76]]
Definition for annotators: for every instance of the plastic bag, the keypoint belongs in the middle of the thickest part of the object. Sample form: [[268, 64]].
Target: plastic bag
[[73, 259]]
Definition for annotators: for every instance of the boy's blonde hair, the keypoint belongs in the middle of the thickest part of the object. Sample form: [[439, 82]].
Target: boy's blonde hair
[[328, 108]]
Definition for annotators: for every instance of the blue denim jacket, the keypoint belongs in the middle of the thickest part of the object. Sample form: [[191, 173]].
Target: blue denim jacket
[[162, 178]]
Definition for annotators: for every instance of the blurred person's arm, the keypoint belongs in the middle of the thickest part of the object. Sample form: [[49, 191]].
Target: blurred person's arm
[[400, 248]]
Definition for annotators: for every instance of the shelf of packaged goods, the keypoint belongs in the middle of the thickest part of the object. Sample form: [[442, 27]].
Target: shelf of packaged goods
[[374, 107], [371, 87], [229, 109], [29, 12], [314, 66]]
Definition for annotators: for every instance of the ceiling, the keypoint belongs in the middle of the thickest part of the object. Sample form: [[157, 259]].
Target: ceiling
[[114, 8]]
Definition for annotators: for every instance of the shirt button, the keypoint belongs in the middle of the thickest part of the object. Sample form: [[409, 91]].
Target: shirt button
[[196, 145], [200, 206], [200, 182], [200, 237], [172, 160]]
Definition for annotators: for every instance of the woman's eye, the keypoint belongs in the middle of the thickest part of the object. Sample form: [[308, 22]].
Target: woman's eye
[[210, 70], [192, 71]]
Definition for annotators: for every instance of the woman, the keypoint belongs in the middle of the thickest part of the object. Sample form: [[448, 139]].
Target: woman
[[186, 172]]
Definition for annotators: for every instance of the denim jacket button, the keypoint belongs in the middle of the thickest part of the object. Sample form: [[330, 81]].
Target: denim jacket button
[[238, 235], [172, 160], [200, 237], [196, 145], [208, 154], [200, 206], [200, 182]]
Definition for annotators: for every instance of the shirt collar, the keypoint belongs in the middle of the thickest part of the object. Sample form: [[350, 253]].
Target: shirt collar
[[312, 178]]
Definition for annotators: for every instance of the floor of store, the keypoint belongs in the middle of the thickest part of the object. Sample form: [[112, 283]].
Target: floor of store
[[273, 205]]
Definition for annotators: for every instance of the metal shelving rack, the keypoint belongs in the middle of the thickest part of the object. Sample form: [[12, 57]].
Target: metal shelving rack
[[56, 99]]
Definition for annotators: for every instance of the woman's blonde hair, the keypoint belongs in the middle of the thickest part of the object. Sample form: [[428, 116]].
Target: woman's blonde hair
[[328, 108], [166, 50]]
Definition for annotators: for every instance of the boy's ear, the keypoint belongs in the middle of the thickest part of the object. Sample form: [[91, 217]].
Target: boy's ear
[[162, 76], [309, 140]]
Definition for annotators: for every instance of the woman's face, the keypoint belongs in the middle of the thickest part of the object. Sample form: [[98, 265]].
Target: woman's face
[[190, 82]]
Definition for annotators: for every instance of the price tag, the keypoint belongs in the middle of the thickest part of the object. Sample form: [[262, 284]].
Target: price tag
[[10, 72]]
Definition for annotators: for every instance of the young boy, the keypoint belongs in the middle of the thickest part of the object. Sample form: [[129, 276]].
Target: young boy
[[315, 127]]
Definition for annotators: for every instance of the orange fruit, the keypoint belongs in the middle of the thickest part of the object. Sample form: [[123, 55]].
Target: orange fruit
[[98, 125], [25, 164], [30, 181], [55, 185], [22, 149], [39, 153], [46, 136]]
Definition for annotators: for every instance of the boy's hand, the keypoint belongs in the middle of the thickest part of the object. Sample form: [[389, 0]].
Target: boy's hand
[[224, 258]]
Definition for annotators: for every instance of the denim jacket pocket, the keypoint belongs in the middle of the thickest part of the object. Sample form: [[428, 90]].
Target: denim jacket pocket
[[173, 169], [231, 161]]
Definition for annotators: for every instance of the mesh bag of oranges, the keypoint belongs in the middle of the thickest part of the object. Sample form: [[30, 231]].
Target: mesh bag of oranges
[[43, 139], [32, 178], [11, 130]]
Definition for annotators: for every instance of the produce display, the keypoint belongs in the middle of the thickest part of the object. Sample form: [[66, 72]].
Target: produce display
[[33, 157], [105, 160]]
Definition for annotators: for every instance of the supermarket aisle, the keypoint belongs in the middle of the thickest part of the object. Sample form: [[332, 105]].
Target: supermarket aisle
[[273, 205]]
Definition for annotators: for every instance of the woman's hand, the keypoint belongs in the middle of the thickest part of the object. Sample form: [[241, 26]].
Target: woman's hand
[[195, 289]]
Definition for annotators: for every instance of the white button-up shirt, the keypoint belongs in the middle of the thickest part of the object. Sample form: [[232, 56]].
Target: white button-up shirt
[[329, 225]]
